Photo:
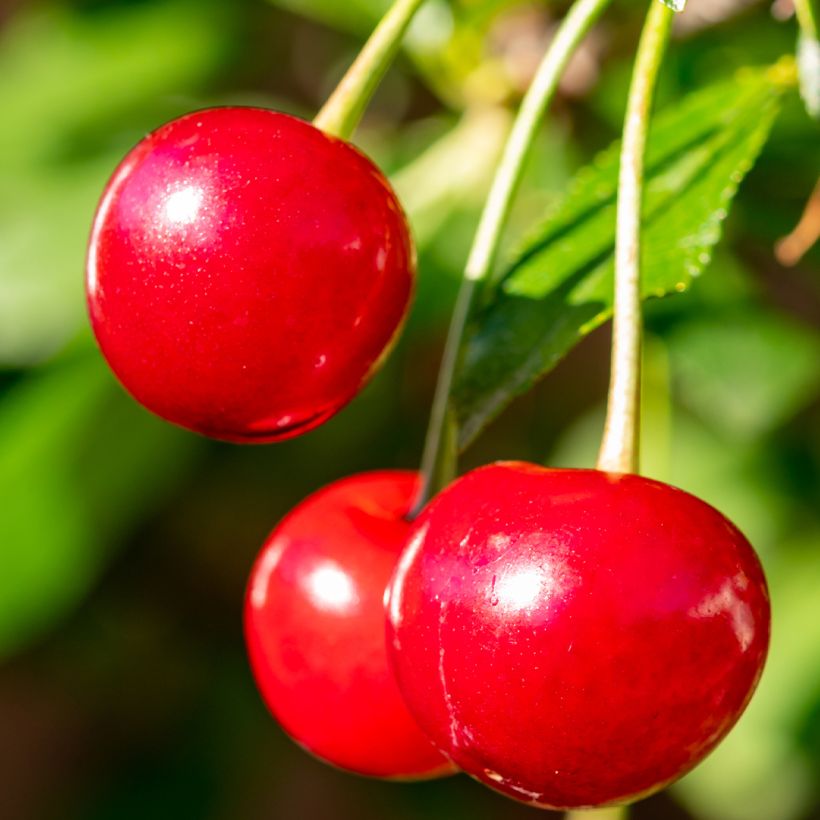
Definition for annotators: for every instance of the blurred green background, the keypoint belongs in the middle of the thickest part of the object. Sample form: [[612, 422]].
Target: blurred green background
[[125, 543]]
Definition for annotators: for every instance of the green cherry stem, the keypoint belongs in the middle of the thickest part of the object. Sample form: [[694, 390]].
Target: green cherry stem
[[620, 446], [808, 54], [344, 109], [808, 17], [440, 450], [612, 813]]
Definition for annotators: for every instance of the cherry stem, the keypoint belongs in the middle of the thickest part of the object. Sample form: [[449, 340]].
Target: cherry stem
[[346, 105], [440, 450], [620, 446], [808, 16], [611, 813]]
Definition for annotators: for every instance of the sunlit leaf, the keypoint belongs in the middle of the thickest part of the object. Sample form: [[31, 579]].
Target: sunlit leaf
[[560, 286]]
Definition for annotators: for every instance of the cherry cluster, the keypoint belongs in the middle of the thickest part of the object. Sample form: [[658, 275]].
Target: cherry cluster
[[570, 638]]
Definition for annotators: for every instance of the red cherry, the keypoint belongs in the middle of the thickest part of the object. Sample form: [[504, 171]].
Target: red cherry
[[314, 624], [574, 638], [247, 272]]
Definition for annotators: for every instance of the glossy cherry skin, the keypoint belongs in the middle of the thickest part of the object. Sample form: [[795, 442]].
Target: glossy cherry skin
[[314, 625], [574, 638], [247, 273]]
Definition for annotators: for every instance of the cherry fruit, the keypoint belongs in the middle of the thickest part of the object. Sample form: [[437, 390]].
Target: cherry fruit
[[574, 638], [247, 273], [314, 624]]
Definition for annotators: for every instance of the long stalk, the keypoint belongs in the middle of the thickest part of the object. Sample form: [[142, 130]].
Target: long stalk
[[344, 109], [808, 16], [620, 446], [613, 813], [438, 463]]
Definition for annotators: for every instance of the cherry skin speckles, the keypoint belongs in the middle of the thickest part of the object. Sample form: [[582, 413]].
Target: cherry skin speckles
[[574, 638], [247, 273], [314, 625]]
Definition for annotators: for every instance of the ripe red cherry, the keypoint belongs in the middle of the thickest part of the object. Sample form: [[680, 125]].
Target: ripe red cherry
[[574, 638], [246, 273], [314, 624]]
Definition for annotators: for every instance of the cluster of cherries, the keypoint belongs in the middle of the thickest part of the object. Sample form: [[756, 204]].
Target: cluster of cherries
[[571, 638]]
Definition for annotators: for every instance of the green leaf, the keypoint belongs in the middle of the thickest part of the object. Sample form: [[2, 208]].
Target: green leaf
[[559, 288], [675, 5], [80, 462]]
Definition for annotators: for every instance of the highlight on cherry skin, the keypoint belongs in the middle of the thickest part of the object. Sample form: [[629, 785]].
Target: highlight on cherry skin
[[574, 638], [314, 625], [247, 273]]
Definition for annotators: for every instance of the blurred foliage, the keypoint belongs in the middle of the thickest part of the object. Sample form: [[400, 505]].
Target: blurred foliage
[[710, 359], [125, 543], [70, 483], [69, 85]]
